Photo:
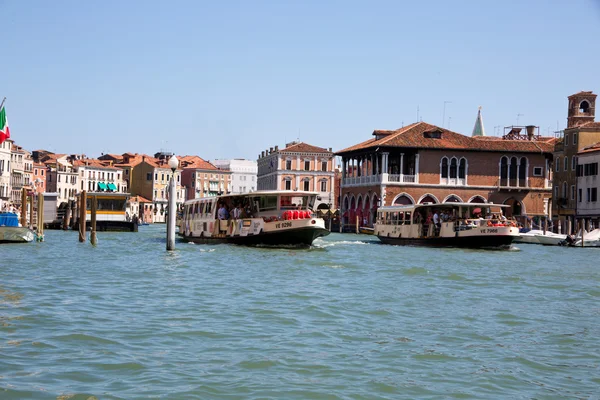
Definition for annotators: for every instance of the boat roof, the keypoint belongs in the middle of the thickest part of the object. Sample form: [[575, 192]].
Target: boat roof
[[440, 205], [294, 193]]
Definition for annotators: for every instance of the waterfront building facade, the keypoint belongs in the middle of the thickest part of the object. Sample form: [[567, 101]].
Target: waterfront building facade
[[588, 185], [95, 176], [39, 177], [150, 178], [243, 174], [61, 177], [299, 166], [423, 163], [5, 156], [203, 179], [21, 172], [582, 131]]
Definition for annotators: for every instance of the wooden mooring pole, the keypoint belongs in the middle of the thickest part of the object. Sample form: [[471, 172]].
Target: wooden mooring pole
[[23, 215], [82, 215], [93, 238], [30, 202], [40, 217]]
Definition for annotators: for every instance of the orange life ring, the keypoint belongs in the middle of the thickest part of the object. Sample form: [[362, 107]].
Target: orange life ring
[[489, 223]]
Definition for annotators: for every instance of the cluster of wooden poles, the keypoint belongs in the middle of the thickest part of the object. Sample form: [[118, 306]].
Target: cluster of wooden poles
[[27, 199], [82, 207]]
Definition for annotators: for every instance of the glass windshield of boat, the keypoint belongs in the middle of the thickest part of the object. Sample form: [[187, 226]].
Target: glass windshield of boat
[[107, 204], [266, 203], [292, 202]]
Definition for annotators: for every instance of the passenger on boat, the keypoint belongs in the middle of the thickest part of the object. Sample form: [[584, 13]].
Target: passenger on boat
[[236, 213], [223, 213]]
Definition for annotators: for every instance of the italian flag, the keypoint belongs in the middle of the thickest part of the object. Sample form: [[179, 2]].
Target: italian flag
[[4, 131]]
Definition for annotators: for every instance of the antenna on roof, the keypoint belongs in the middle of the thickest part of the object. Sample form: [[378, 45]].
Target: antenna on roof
[[417, 113], [518, 116]]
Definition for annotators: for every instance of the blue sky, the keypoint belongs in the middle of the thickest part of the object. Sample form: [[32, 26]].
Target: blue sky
[[229, 79]]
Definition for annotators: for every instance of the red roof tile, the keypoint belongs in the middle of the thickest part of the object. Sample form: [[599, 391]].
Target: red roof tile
[[590, 149], [195, 162], [302, 147], [427, 136], [582, 93]]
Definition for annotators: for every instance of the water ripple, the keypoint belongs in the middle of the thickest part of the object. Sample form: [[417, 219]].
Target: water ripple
[[345, 319]]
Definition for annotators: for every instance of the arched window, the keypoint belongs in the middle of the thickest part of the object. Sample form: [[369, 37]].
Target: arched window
[[403, 200], [504, 168], [444, 168], [513, 168], [453, 168], [462, 168], [523, 169], [428, 199]]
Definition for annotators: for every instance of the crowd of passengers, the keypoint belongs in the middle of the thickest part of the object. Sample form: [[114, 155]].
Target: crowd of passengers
[[433, 219], [236, 210]]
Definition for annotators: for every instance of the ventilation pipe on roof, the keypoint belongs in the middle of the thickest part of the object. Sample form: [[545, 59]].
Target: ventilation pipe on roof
[[530, 131]]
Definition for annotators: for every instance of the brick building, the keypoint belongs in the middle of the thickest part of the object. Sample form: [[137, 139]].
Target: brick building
[[424, 163], [582, 131]]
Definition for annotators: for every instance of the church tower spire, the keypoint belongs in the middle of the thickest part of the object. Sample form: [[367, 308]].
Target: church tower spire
[[478, 129]]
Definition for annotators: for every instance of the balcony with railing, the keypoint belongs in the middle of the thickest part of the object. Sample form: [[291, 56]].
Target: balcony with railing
[[512, 184], [379, 179]]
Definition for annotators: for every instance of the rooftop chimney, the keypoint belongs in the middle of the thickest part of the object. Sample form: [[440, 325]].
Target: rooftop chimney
[[276, 148], [530, 131]]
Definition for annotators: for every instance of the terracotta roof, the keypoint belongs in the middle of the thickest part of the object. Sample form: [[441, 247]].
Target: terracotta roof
[[133, 159], [302, 147], [194, 162], [590, 149], [93, 163], [590, 124], [139, 199], [582, 93], [427, 136], [111, 156]]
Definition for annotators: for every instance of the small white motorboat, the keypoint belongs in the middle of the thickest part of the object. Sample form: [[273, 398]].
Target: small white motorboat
[[590, 239], [536, 236]]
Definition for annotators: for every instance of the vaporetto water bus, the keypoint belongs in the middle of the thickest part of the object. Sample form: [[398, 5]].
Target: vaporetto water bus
[[460, 225], [258, 218]]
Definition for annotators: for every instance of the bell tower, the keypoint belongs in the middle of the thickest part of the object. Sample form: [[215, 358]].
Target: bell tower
[[582, 109]]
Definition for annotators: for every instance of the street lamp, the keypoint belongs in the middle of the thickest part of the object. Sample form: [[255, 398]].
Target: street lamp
[[173, 164]]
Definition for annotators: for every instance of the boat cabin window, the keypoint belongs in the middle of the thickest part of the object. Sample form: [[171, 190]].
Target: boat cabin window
[[293, 202], [266, 203], [107, 204]]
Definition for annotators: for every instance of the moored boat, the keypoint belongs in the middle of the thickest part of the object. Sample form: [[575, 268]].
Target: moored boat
[[536, 236], [273, 218], [365, 230], [12, 232], [460, 225]]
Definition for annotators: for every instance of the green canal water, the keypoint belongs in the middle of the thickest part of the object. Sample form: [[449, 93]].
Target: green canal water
[[347, 319]]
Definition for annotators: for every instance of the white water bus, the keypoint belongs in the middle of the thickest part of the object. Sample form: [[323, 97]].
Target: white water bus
[[460, 225], [266, 217]]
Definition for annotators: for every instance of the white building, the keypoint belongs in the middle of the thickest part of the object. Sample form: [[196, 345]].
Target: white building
[[21, 167], [61, 178], [95, 176], [243, 174], [588, 183], [5, 187]]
